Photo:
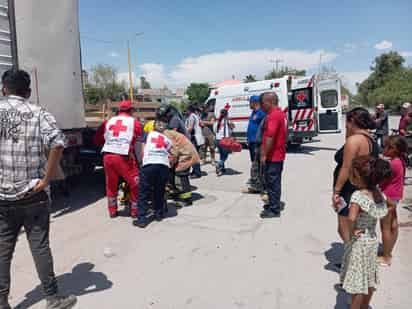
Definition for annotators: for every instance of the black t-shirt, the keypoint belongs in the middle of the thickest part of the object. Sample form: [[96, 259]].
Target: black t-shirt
[[348, 187]]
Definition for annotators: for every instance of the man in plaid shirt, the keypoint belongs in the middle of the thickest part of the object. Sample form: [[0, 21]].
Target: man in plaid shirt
[[26, 130]]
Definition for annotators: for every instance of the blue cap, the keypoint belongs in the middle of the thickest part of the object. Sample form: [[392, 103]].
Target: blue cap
[[254, 99]]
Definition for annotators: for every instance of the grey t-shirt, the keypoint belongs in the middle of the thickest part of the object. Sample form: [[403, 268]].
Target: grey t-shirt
[[175, 123]]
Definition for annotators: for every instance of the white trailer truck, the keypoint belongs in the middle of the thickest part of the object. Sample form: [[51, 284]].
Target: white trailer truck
[[42, 38]]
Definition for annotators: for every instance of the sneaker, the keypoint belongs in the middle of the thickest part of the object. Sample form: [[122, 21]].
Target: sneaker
[[159, 217], [267, 214], [187, 203], [195, 176], [61, 302], [282, 206], [141, 222]]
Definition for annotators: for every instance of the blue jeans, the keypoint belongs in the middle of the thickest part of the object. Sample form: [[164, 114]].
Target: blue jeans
[[273, 181], [223, 155]]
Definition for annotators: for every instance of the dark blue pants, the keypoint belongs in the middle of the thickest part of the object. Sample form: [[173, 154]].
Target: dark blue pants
[[152, 185], [252, 151], [273, 181], [196, 170]]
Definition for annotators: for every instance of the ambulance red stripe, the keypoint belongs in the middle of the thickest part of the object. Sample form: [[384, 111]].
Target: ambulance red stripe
[[312, 121], [302, 117]]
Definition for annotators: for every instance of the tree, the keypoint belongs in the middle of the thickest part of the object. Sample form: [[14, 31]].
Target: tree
[[250, 78], [390, 82], [198, 92], [285, 71], [144, 84], [92, 94], [104, 82]]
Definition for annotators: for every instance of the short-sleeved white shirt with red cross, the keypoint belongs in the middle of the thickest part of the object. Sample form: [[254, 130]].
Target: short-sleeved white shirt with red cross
[[156, 149]]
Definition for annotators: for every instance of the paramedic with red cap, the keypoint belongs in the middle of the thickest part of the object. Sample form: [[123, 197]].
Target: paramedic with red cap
[[118, 136]]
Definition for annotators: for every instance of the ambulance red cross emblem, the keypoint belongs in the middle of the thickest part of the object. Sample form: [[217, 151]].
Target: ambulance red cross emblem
[[117, 128], [301, 97], [227, 106]]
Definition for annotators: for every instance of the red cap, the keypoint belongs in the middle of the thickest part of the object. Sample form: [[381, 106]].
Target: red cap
[[125, 105]]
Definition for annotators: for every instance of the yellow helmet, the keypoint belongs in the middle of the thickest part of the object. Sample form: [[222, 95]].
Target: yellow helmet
[[149, 126]]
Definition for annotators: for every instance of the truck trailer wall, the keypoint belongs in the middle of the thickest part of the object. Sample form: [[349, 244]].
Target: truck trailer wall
[[48, 44]]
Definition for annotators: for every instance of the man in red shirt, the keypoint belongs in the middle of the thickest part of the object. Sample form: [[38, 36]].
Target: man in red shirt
[[273, 152], [118, 136], [406, 119]]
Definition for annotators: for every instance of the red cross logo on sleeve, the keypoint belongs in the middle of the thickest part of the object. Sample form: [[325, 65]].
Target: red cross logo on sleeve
[[227, 106], [160, 142], [117, 128], [301, 97]]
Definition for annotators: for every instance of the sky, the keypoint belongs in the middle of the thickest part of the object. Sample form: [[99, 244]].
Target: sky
[[210, 41]]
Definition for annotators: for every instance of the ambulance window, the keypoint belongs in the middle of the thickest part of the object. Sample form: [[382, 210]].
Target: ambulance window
[[301, 99], [329, 98], [211, 103]]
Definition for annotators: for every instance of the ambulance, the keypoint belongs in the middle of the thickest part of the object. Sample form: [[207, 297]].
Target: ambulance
[[311, 106]]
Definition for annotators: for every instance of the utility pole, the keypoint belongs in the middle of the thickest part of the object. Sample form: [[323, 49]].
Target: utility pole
[[130, 71], [276, 64]]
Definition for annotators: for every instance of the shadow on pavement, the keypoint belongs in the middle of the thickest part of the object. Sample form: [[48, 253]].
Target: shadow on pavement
[[231, 172], [309, 150], [334, 256], [81, 191], [81, 281]]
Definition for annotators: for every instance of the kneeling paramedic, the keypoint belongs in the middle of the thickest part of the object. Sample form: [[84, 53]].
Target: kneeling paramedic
[[154, 175]]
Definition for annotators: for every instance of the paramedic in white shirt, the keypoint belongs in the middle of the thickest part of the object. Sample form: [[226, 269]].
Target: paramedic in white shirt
[[154, 175], [195, 132]]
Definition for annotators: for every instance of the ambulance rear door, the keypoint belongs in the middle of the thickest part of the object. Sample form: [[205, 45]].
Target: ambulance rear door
[[302, 108], [329, 106]]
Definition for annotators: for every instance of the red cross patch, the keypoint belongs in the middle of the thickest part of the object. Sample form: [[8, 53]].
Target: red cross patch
[[117, 128], [160, 142]]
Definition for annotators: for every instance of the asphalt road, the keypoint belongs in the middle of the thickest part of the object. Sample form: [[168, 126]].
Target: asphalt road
[[216, 254]]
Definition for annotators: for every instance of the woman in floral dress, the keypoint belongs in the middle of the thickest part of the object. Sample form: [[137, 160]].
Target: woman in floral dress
[[359, 273]]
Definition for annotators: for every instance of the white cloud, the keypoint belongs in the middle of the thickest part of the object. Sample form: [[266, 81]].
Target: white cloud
[[220, 66], [155, 74], [406, 54], [383, 45], [350, 79], [114, 54], [124, 77]]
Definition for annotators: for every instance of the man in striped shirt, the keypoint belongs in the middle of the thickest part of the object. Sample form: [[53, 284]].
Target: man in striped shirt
[[26, 131]]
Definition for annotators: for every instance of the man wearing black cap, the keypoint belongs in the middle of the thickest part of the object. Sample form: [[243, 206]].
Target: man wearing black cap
[[26, 130]]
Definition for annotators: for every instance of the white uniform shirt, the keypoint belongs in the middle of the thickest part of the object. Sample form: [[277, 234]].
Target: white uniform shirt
[[156, 149], [194, 121], [118, 135], [224, 130]]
